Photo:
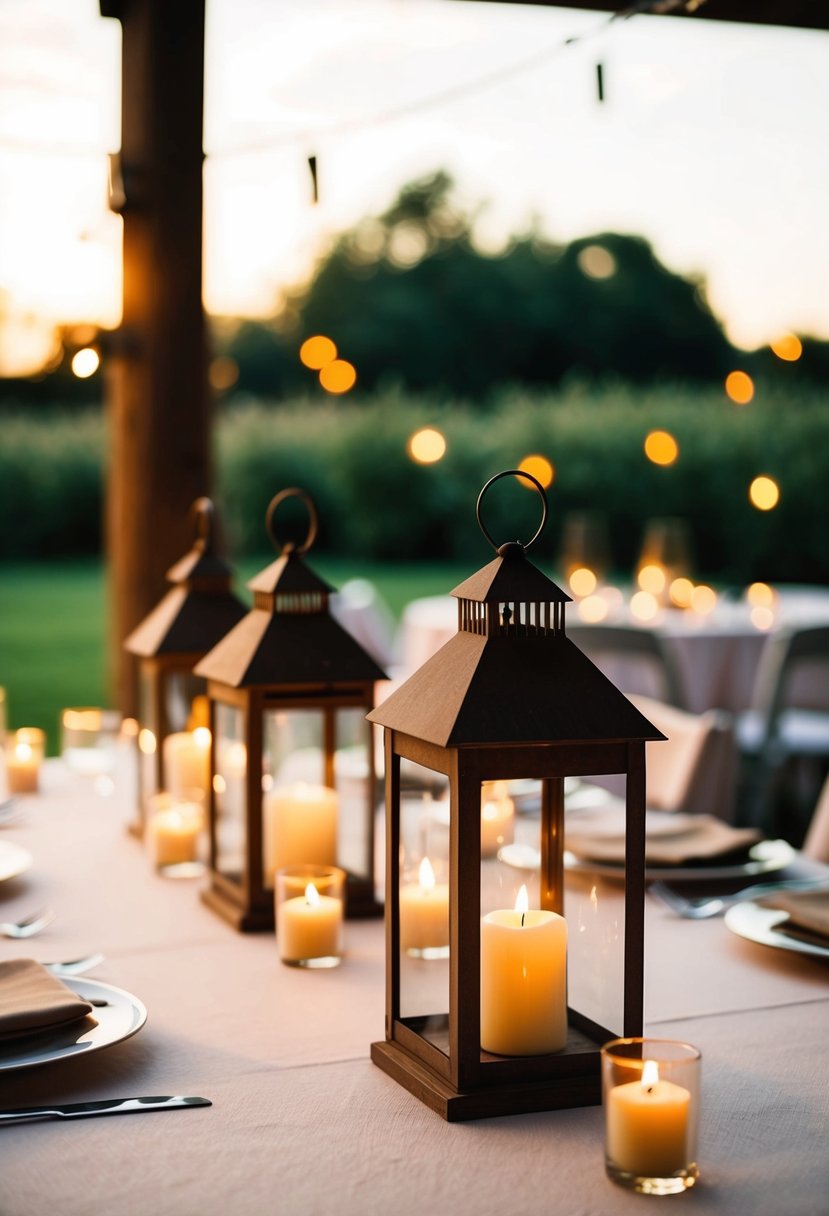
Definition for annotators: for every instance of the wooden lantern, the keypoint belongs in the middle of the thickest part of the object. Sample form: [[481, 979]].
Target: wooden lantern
[[199, 609], [508, 700], [293, 772]]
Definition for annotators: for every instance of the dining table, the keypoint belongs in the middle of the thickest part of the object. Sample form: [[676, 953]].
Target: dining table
[[302, 1123]]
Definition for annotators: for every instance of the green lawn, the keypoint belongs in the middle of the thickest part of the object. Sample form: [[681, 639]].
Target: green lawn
[[53, 627]]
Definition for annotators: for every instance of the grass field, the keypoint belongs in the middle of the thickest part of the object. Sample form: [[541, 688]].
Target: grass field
[[53, 627]]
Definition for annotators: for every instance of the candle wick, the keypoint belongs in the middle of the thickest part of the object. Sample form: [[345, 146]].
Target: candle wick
[[649, 1089], [523, 914]]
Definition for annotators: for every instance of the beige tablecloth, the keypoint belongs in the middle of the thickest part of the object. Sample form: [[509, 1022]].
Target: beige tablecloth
[[304, 1125]]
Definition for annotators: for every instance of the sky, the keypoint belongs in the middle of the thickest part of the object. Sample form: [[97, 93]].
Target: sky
[[710, 142]]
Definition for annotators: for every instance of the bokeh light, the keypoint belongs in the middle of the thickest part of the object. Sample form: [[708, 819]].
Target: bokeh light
[[652, 578], [222, 373], [787, 347], [661, 447], [596, 262], [764, 493], [762, 617], [644, 606], [681, 591], [582, 581], [760, 595], [85, 362], [426, 445], [317, 352], [703, 599], [739, 387], [538, 467], [338, 376], [593, 608]]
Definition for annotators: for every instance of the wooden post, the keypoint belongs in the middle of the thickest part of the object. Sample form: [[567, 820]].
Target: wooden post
[[157, 399]]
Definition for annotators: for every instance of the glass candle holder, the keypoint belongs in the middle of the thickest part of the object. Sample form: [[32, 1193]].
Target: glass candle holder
[[651, 1098], [24, 755], [89, 740], [309, 915], [174, 833]]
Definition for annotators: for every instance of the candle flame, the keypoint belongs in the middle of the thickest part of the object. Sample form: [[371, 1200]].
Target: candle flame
[[650, 1075], [522, 900], [312, 896], [201, 737], [490, 811], [426, 875], [23, 751]]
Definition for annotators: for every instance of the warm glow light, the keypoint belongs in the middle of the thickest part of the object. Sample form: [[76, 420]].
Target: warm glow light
[[85, 362], [426, 875], [538, 467], [739, 386], [222, 373], [426, 445], [764, 493], [787, 347], [593, 608], [338, 377], [582, 581], [317, 352], [23, 751], [661, 447], [201, 737], [650, 1074], [596, 262], [681, 590], [219, 784], [129, 728], [522, 899], [762, 617], [644, 606], [760, 595], [652, 577], [312, 895], [703, 599], [146, 742], [489, 811]]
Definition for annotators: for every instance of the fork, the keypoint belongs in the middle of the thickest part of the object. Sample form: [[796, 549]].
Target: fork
[[29, 925], [701, 909], [75, 966]]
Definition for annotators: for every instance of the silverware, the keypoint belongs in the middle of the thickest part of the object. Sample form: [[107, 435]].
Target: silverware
[[701, 909], [75, 966], [10, 812], [29, 925], [85, 1110]]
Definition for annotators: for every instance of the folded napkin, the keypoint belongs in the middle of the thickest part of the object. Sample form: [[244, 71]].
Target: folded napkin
[[705, 838], [33, 1000], [808, 913]]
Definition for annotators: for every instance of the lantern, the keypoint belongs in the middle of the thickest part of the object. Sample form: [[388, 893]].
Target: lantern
[[293, 776], [173, 734], [503, 979]]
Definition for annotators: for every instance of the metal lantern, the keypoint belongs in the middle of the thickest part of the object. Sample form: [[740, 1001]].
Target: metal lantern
[[490, 1009], [173, 736], [293, 772]]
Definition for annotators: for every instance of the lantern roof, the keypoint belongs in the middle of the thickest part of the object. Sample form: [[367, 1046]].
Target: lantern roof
[[508, 577], [289, 636], [199, 608]]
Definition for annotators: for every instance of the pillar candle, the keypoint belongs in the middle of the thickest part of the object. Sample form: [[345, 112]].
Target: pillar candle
[[299, 827], [22, 768], [424, 912], [647, 1125], [309, 926], [523, 981], [186, 758]]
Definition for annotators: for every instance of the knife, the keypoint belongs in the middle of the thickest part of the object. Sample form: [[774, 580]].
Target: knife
[[112, 1106]]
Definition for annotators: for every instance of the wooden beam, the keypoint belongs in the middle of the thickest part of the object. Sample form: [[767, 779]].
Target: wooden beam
[[802, 14], [157, 399]]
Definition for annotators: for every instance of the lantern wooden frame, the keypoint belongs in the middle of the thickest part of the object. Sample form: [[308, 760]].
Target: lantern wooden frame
[[508, 697], [198, 610], [287, 653]]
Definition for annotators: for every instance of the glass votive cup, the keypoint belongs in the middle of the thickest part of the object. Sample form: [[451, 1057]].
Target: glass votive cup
[[24, 755], [309, 908], [89, 739], [651, 1099], [174, 833]]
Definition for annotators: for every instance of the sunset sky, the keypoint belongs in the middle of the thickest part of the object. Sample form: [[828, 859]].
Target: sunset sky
[[711, 143]]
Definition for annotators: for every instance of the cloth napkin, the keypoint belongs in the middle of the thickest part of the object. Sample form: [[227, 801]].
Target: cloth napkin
[[33, 1000], [808, 913], [706, 838]]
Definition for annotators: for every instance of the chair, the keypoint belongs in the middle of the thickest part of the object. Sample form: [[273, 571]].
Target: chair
[[788, 721], [636, 660]]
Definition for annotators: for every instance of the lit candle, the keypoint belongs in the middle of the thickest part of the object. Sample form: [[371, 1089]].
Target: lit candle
[[24, 754], [173, 834], [186, 757], [647, 1125], [309, 927], [424, 913], [523, 980], [300, 826], [497, 819]]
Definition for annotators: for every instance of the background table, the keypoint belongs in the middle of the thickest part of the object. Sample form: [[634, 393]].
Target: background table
[[303, 1123]]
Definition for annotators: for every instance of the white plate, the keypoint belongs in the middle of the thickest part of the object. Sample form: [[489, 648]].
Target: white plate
[[762, 925], [764, 858], [13, 860], [609, 822], [120, 1018]]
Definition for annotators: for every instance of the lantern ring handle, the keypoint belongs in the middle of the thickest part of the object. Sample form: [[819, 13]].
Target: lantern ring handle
[[491, 482], [313, 521], [202, 515]]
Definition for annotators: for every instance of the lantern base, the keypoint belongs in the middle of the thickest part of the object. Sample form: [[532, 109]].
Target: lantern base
[[556, 1093], [360, 905]]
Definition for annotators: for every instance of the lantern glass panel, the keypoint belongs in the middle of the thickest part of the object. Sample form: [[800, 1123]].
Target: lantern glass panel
[[149, 731], [229, 786], [183, 701], [351, 781], [423, 907]]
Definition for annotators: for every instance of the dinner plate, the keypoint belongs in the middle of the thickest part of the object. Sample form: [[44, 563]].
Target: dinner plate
[[763, 858], [118, 1019], [14, 860], [762, 925]]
